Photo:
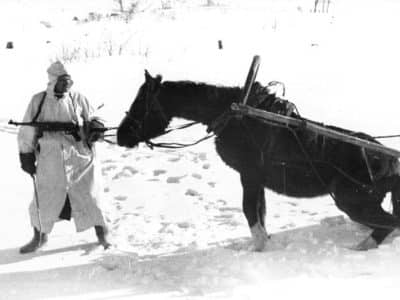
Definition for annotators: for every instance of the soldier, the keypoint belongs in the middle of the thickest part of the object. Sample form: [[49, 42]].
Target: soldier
[[63, 168]]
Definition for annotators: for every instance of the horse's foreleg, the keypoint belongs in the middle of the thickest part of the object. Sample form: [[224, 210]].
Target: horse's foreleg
[[254, 210]]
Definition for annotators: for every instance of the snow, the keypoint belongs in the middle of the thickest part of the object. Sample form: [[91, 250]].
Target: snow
[[176, 215]]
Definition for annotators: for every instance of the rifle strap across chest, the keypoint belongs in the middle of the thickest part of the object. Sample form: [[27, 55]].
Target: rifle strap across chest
[[39, 107]]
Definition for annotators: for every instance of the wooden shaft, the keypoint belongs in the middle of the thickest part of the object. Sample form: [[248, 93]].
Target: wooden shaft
[[251, 76], [268, 116]]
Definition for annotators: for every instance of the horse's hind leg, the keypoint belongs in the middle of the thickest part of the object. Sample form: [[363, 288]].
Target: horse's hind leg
[[254, 209], [391, 184], [365, 208], [395, 189], [380, 230]]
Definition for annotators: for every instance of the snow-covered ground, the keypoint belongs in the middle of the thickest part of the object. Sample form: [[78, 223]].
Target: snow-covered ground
[[176, 216]]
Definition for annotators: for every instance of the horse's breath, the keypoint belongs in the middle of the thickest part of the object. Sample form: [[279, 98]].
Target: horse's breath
[[287, 160]]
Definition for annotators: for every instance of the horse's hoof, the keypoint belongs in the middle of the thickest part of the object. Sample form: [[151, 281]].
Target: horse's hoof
[[257, 247], [367, 244]]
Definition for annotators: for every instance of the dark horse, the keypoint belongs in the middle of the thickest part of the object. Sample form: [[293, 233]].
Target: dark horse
[[290, 161]]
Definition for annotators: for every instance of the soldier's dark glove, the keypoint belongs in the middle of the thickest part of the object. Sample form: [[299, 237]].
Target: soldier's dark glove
[[28, 162], [94, 131]]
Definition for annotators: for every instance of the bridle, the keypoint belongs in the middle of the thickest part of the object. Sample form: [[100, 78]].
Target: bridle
[[153, 104]]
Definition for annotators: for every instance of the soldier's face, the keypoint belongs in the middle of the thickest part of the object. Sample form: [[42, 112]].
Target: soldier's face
[[63, 84]]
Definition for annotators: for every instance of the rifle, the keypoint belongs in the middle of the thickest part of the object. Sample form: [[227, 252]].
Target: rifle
[[66, 127]]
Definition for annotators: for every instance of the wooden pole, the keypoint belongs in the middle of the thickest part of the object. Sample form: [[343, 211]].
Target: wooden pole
[[268, 117], [251, 76]]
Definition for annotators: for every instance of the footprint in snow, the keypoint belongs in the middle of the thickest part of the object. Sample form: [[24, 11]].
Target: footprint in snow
[[211, 183], [191, 192], [125, 172], [206, 166], [107, 169], [132, 170], [221, 201], [184, 225], [120, 198], [230, 209], [159, 172], [203, 156], [174, 159], [197, 176], [126, 154], [175, 179], [223, 216], [108, 161]]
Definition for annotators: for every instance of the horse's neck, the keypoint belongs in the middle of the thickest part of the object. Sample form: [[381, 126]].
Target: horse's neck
[[202, 103]]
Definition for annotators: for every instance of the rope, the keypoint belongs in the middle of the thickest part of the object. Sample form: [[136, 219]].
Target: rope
[[152, 145]]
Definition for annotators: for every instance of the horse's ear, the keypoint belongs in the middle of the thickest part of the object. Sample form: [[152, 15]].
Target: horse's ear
[[150, 78], [147, 75]]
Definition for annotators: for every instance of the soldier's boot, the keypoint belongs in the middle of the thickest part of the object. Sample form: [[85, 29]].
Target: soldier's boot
[[101, 233], [38, 240]]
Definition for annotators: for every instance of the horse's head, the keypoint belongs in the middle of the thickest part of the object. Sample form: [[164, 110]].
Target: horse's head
[[146, 118]]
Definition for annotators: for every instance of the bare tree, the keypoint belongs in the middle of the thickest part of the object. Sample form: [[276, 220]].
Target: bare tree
[[121, 5]]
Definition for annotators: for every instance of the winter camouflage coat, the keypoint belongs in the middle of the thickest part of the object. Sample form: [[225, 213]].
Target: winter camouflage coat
[[64, 165]]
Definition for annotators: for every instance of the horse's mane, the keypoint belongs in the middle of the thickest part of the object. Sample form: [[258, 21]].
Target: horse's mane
[[206, 91]]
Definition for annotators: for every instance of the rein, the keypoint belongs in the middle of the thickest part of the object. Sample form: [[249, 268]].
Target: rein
[[152, 101], [169, 145]]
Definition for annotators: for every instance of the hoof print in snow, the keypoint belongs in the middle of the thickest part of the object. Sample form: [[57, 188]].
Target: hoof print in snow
[[211, 183]]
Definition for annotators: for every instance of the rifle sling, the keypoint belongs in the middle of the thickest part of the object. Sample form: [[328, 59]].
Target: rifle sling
[[39, 107]]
